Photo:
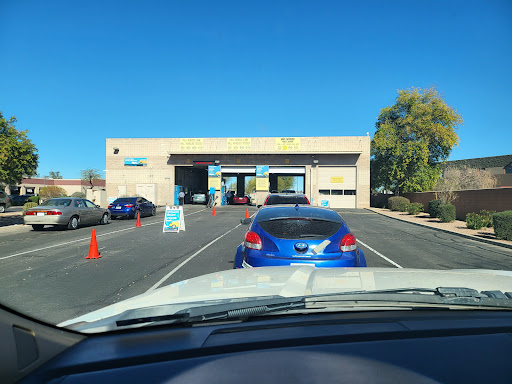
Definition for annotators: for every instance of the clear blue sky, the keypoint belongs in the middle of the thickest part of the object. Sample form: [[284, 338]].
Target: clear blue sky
[[77, 72]]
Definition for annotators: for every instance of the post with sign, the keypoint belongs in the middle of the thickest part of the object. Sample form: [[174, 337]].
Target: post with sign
[[262, 183], [214, 181]]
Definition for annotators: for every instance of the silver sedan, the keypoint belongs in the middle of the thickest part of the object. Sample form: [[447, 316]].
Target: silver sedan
[[67, 212]]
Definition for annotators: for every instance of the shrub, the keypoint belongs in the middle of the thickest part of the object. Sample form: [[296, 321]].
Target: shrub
[[487, 215], [33, 199], [502, 222], [80, 195], [414, 208], [398, 203], [446, 213], [29, 205], [433, 207], [52, 191], [474, 221]]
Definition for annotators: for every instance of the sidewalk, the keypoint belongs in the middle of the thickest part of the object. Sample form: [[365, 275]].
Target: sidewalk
[[457, 227]]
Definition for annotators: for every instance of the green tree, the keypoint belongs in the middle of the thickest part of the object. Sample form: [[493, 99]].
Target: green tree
[[250, 184], [18, 155], [51, 192], [284, 182], [90, 175], [413, 136], [54, 175]]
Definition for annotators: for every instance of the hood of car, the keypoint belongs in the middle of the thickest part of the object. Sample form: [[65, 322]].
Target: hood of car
[[295, 281]]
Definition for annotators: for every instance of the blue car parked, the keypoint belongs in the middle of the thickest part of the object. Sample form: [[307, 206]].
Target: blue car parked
[[130, 206], [300, 234]]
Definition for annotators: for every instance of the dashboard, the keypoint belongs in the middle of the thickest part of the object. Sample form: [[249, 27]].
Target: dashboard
[[425, 346]]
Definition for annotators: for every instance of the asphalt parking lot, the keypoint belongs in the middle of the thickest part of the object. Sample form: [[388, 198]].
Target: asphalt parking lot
[[44, 274]]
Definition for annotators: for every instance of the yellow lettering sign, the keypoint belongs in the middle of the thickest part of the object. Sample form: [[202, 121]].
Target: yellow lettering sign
[[191, 144], [239, 143], [336, 179], [287, 143]]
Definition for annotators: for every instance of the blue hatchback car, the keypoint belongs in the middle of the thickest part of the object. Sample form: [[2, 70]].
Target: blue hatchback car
[[300, 234], [130, 206]]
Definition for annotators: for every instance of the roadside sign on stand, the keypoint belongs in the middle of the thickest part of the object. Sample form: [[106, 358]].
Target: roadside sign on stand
[[174, 221]]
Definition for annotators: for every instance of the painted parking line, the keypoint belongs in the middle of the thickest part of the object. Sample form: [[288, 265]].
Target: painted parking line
[[191, 257], [379, 254], [88, 238]]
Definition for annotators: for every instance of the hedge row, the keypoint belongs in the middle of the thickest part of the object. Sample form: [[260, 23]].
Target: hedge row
[[414, 208]]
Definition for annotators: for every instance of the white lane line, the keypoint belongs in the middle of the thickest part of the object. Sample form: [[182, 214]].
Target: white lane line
[[191, 257], [379, 254], [188, 259], [88, 238]]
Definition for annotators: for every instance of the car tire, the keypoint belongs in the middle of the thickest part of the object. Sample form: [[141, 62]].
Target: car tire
[[37, 227], [104, 219], [73, 223], [153, 211], [2, 208]]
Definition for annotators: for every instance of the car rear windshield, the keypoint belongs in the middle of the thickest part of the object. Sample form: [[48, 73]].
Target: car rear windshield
[[300, 222], [278, 199], [124, 200], [57, 203], [294, 228]]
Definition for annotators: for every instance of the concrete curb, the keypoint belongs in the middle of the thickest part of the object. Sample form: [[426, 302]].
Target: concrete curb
[[476, 238]]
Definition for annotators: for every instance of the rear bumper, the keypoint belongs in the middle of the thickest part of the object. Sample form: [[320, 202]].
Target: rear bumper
[[347, 259], [46, 220], [122, 213]]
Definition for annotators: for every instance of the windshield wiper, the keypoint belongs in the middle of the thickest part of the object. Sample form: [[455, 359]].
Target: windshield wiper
[[208, 312], [444, 296]]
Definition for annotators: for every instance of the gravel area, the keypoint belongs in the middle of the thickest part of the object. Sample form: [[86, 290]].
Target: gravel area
[[456, 226]]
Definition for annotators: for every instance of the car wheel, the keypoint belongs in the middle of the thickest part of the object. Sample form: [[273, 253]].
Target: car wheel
[[37, 227], [104, 219], [73, 223], [153, 211], [2, 208]]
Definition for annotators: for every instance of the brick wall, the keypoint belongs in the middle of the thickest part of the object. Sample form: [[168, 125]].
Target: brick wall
[[474, 200]]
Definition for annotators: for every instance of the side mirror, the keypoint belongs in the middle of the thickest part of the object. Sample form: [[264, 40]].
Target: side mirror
[[245, 221]]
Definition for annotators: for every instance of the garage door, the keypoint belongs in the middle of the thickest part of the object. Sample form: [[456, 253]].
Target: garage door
[[338, 186]]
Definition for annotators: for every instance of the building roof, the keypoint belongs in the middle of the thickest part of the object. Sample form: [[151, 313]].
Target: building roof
[[482, 162]]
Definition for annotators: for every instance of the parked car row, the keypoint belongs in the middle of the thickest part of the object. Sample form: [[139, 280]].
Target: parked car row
[[71, 212]]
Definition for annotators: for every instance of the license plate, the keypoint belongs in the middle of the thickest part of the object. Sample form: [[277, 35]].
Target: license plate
[[40, 213], [118, 207]]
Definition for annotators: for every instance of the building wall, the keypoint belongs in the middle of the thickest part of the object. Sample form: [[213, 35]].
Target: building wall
[[166, 153]]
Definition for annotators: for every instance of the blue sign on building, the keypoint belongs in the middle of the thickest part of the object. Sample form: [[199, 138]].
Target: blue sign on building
[[136, 161], [262, 171], [214, 171]]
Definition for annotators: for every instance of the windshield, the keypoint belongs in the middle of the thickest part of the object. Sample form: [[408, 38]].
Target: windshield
[[168, 154], [56, 203], [125, 200]]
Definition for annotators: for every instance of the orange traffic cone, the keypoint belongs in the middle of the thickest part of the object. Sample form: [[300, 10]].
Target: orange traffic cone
[[138, 220], [246, 213], [93, 248], [213, 212]]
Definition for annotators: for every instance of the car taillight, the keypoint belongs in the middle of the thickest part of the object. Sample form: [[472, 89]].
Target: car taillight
[[110, 206], [252, 240], [53, 213], [348, 243], [30, 213], [129, 206], [307, 199], [193, 196], [265, 203]]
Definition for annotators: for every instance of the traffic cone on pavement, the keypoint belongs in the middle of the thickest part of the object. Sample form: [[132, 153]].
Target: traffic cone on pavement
[[138, 220], [246, 213], [93, 248], [213, 211]]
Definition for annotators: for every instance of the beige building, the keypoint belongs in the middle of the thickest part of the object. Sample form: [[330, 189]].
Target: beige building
[[329, 170]]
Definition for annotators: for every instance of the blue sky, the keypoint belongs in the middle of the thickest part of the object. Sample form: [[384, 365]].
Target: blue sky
[[77, 72]]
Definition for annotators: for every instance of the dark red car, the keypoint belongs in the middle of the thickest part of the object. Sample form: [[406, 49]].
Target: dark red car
[[242, 200]]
